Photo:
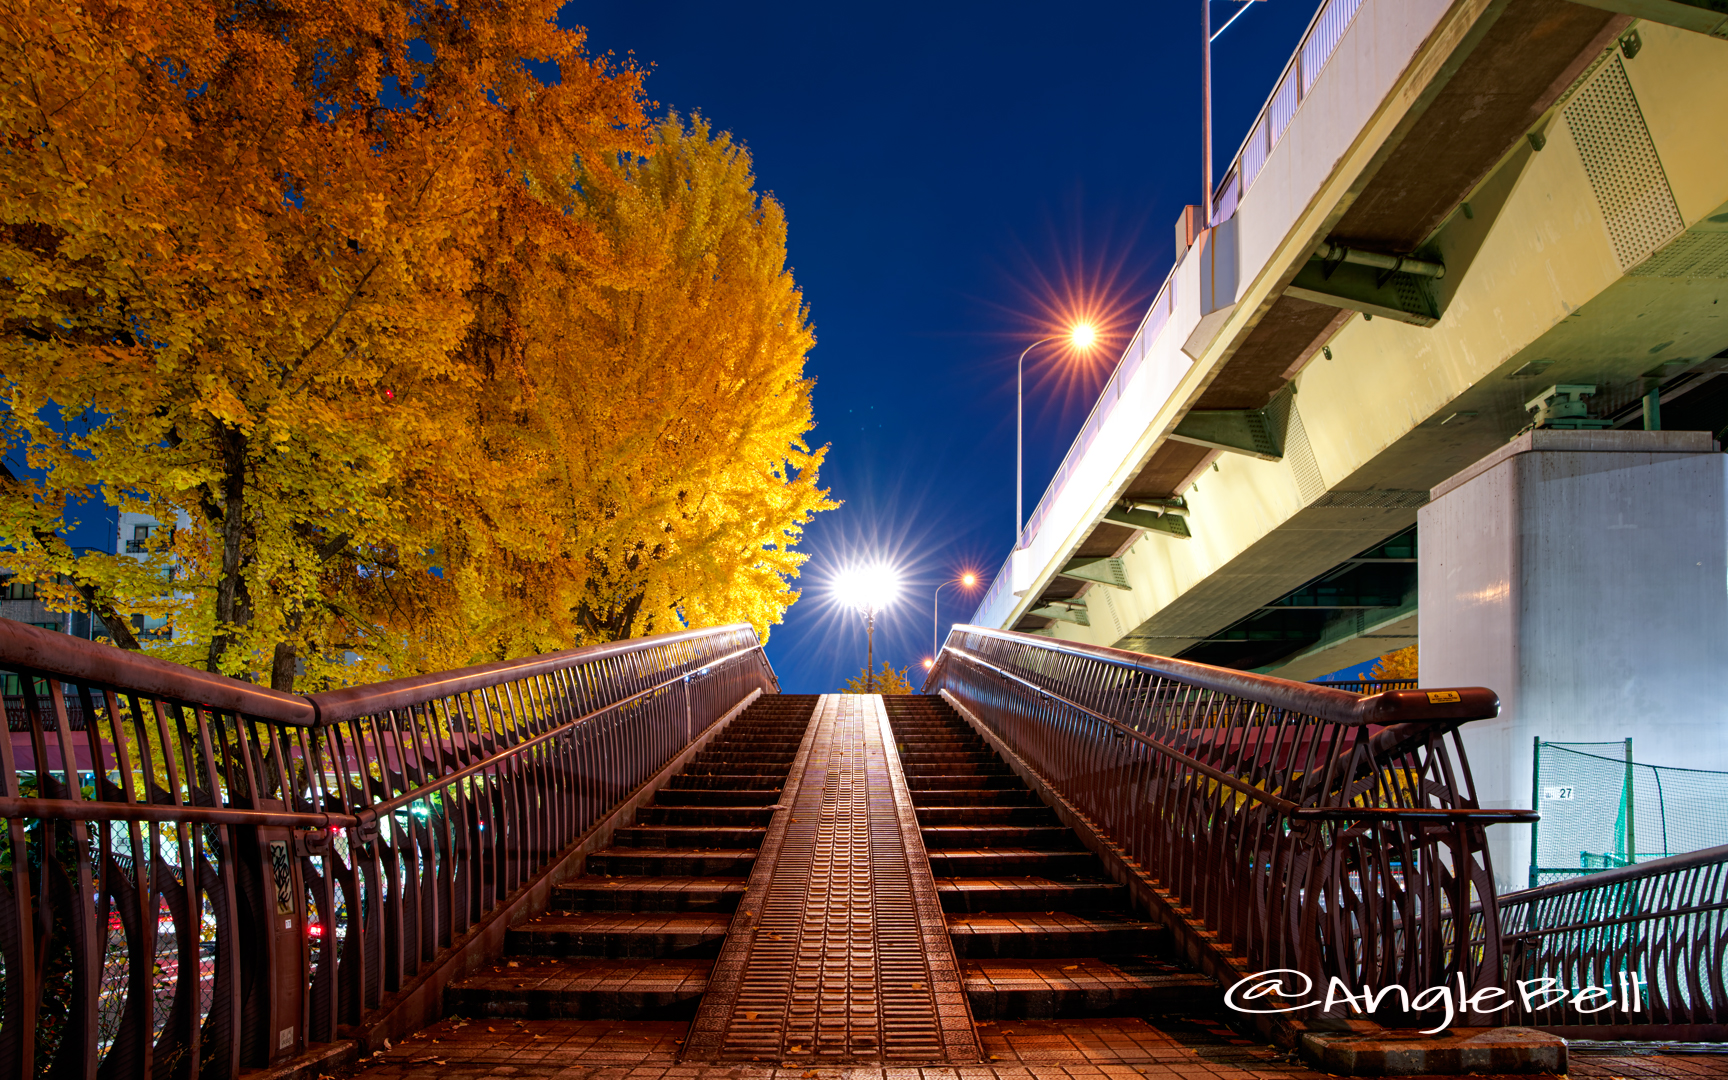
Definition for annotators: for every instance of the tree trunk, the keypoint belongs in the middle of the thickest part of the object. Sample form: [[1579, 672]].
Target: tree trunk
[[232, 610], [612, 624], [282, 667]]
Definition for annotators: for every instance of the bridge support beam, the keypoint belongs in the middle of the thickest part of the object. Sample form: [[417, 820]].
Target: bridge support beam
[[1582, 575], [1703, 16], [1257, 433]]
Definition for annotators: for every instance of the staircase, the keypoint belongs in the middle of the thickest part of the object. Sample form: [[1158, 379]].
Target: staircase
[[1039, 929], [635, 937]]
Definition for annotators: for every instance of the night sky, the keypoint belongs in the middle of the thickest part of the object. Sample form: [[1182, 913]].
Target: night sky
[[957, 177]]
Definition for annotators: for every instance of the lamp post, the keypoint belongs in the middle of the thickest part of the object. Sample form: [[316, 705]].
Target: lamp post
[[1207, 37], [1205, 114], [867, 588], [869, 647], [1081, 336], [965, 581]]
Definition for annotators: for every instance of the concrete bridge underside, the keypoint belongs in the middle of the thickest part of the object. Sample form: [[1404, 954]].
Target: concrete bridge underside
[[1567, 165]]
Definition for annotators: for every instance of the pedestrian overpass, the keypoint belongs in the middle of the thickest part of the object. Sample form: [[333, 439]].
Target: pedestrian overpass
[[644, 853], [1096, 829]]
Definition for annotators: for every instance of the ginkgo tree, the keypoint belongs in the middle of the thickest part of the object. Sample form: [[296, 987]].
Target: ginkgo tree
[[887, 681], [642, 423], [430, 359]]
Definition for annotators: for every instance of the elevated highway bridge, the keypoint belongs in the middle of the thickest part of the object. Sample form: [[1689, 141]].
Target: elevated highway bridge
[[1452, 225], [1564, 167]]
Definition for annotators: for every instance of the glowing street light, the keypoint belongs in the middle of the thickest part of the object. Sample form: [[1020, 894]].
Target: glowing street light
[[1080, 337], [867, 588], [965, 581]]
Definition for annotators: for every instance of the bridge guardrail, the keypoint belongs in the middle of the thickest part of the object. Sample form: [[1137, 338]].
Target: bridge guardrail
[[1319, 42], [1664, 922], [211, 874], [1300, 827]]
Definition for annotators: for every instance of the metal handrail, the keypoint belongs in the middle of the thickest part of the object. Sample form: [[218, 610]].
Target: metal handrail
[[1290, 825], [1664, 922], [76, 660], [84, 810], [1619, 875], [1366, 686], [1282, 805], [1324, 702], [333, 706], [382, 822]]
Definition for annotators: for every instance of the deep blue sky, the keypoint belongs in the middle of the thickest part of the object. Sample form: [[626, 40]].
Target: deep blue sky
[[954, 175]]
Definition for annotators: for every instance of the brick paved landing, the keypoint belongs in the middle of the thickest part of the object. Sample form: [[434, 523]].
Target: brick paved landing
[[1091, 1049]]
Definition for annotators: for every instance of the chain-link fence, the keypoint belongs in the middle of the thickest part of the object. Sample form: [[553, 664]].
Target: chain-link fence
[[1601, 809]]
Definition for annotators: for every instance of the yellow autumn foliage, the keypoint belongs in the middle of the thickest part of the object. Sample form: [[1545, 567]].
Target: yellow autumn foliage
[[427, 361], [1400, 664], [887, 681]]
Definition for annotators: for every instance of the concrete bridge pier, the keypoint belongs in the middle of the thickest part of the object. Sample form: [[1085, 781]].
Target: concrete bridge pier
[[1584, 576]]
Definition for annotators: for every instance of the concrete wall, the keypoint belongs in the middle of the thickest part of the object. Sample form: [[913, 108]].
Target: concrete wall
[[1583, 576]]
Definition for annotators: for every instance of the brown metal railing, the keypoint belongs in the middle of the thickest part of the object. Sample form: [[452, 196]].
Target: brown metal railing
[[211, 874], [1300, 827], [1367, 686], [1661, 925]]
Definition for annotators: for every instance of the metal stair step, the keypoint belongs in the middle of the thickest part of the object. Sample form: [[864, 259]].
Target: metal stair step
[[617, 935], [994, 767], [1045, 837], [686, 781], [998, 862], [985, 814], [1028, 894], [1082, 986], [972, 797], [689, 836], [654, 815], [643, 989], [672, 862], [626, 893], [1048, 934], [716, 797], [953, 782]]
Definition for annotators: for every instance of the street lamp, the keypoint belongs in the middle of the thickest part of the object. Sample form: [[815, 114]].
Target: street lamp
[[1081, 337], [1207, 37], [867, 588], [965, 581]]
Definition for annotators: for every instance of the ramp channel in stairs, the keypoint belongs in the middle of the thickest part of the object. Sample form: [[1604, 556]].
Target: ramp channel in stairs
[[838, 955]]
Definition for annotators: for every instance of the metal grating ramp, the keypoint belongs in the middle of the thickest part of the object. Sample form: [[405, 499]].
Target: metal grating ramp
[[839, 952]]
